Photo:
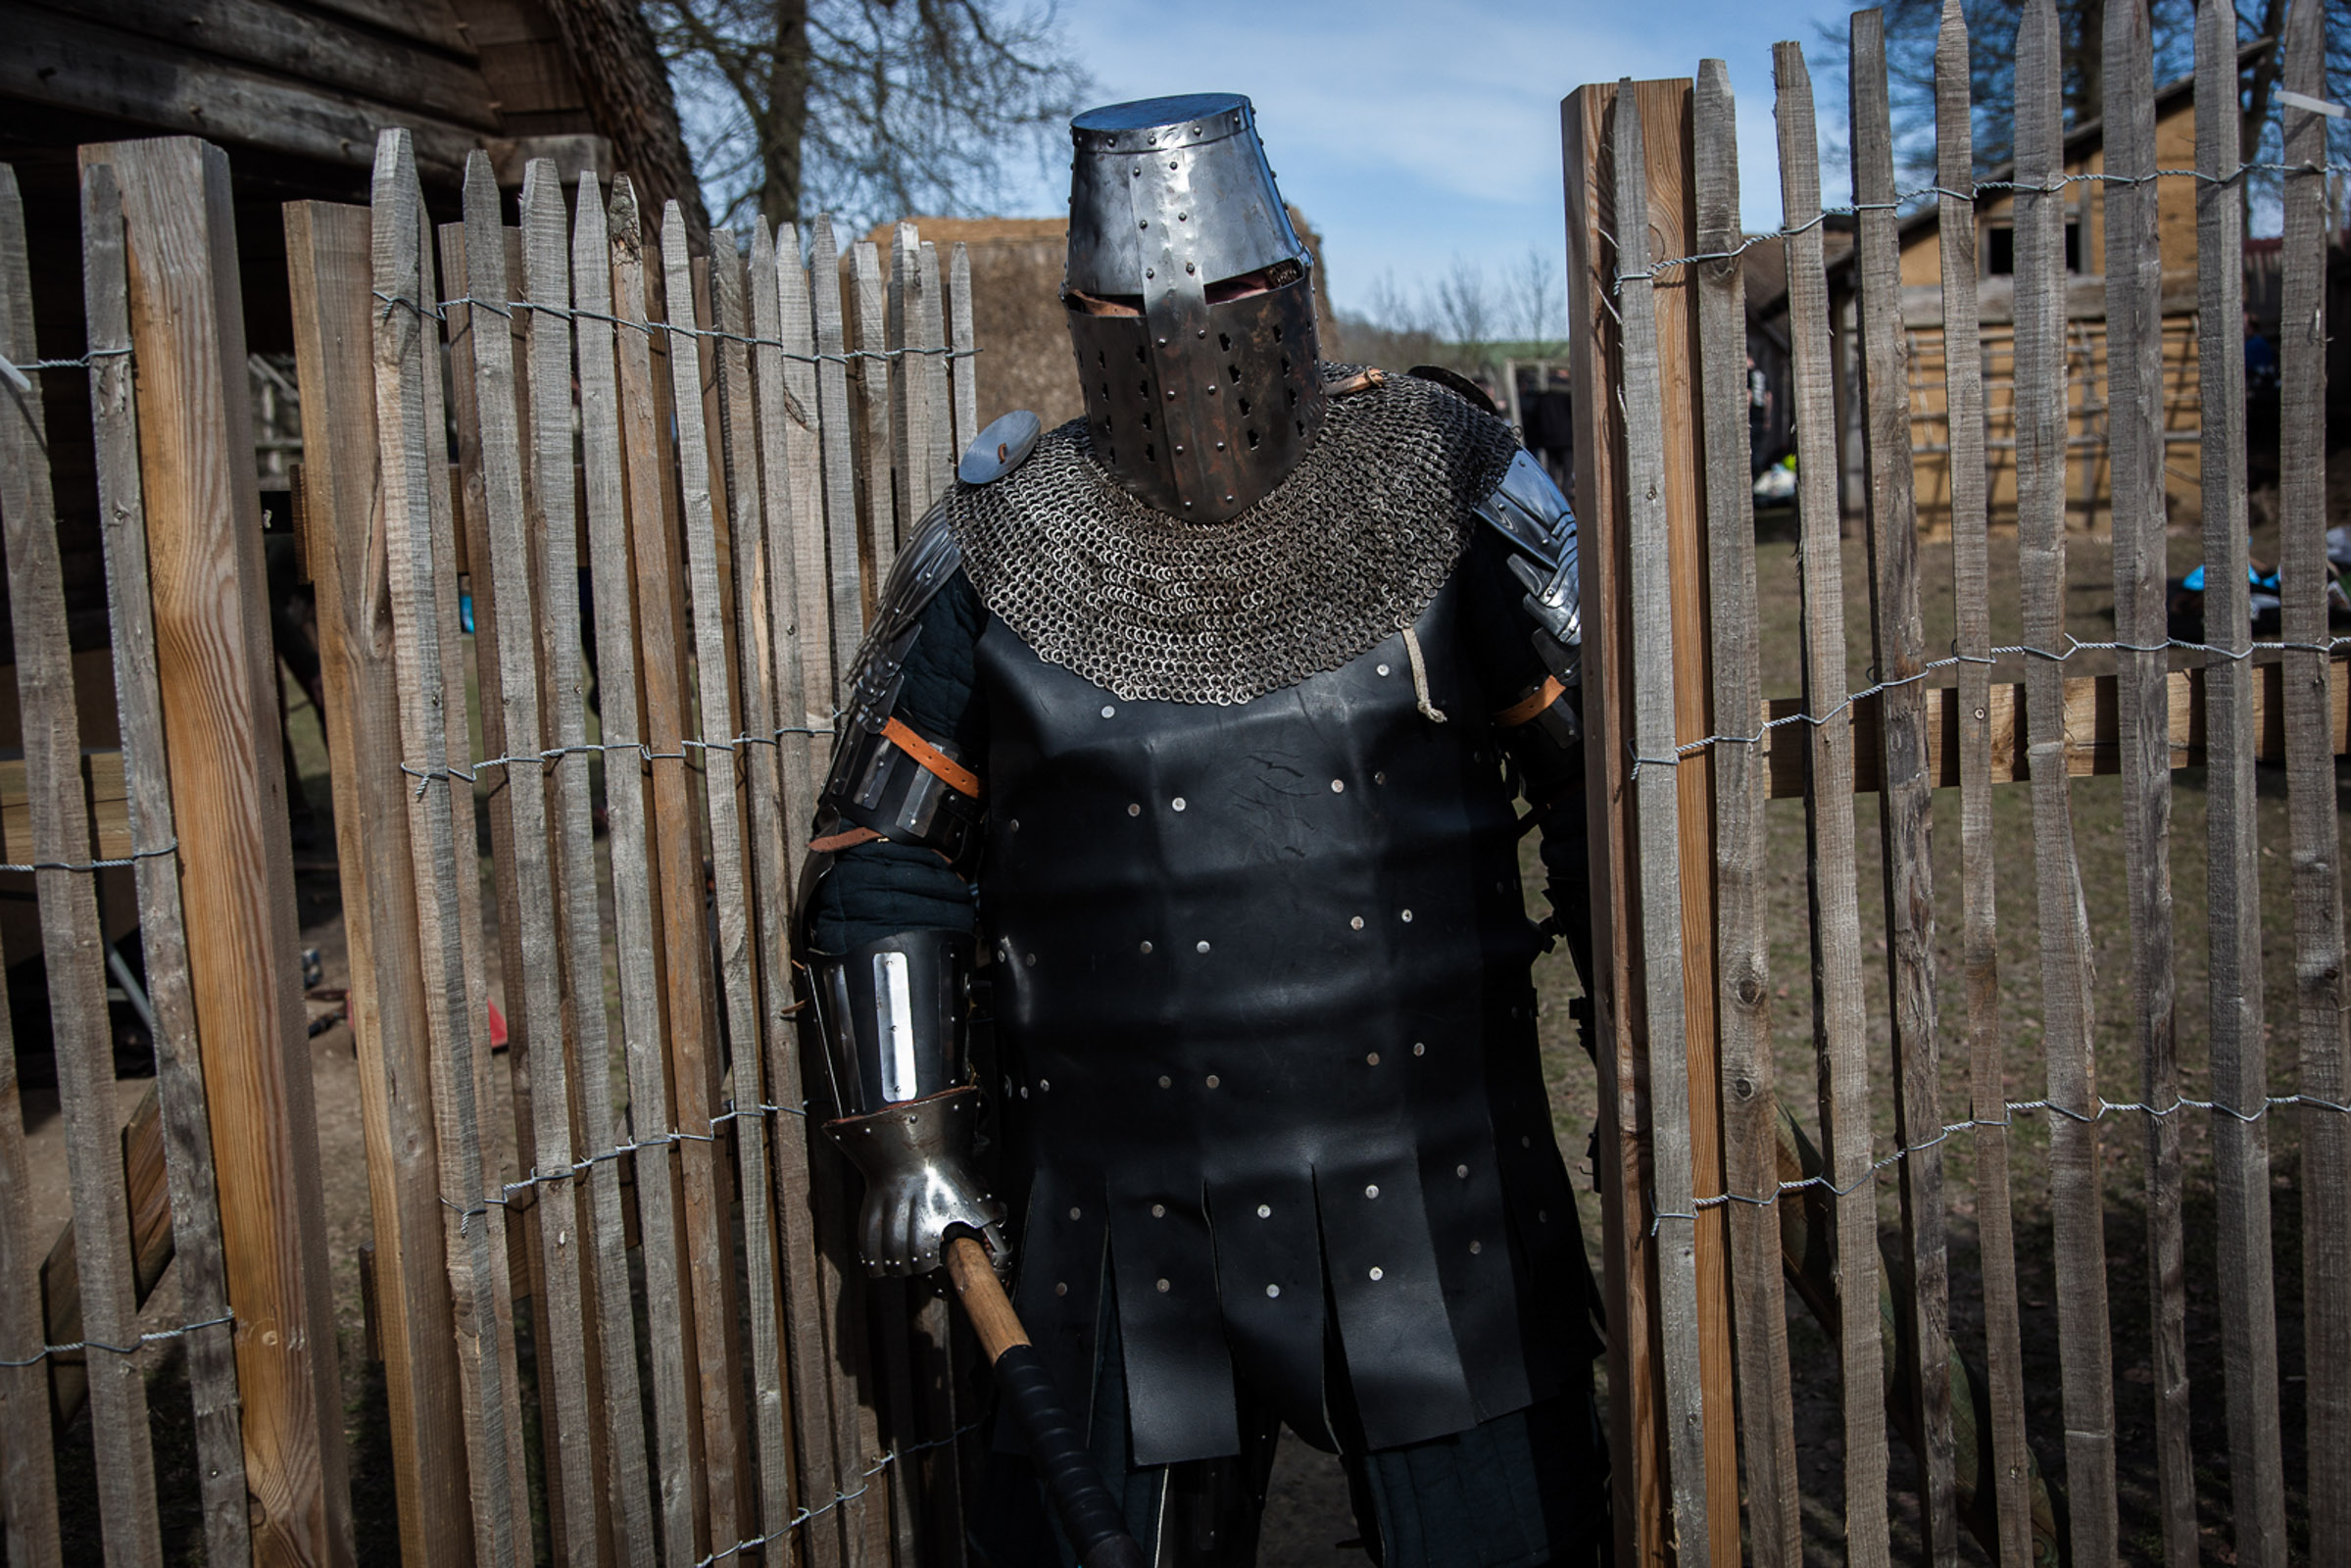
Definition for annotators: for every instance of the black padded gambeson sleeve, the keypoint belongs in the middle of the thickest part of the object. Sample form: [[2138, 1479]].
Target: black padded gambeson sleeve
[[880, 889]]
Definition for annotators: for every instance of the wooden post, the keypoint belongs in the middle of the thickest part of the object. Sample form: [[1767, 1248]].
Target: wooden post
[[1604, 485], [327, 256], [963, 370], [1838, 1020], [1905, 793], [2240, 1076], [839, 444], [2076, 1200], [219, 708], [878, 503]]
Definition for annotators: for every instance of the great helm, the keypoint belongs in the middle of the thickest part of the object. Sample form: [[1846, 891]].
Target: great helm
[[1190, 305]]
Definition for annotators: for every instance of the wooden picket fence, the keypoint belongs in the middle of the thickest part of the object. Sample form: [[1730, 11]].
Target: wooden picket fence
[[694, 472], [1715, 1205]]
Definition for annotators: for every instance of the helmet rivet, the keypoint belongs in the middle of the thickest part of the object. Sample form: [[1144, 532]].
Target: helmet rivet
[[1163, 342], [1189, 268], [1145, 223], [1148, 273], [1183, 217], [1202, 332], [1220, 446]]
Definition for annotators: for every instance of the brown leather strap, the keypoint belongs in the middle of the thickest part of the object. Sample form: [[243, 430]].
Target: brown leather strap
[[1526, 707], [847, 838], [933, 760]]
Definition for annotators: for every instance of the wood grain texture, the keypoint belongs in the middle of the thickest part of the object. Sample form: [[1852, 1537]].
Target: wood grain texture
[[676, 869], [840, 443], [28, 1521], [533, 991], [1905, 793], [1750, 1104], [724, 762], [964, 367], [71, 942], [417, 528], [796, 617], [2311, 795], [2076, 1197], [1978, 935], [192, 1217], [1637, 1471], [328, 261], [2239, 1051], [608, 476], [808, 456], [2135, 421], [1839, 1023], [931, 321], [218, 699], [878, 524]]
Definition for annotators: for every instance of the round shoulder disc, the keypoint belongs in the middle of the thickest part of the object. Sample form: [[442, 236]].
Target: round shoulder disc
[[1000, 448]]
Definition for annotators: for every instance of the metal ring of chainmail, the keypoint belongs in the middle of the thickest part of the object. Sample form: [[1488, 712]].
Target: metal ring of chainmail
[[1349, 548]]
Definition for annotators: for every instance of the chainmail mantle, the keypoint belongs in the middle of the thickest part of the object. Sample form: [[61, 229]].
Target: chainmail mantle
[[1349, 548]]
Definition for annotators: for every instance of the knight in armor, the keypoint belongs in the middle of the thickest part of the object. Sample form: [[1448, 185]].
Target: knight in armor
[[1173, 810]]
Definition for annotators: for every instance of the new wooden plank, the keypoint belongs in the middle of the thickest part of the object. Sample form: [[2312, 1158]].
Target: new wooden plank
[[517, 1217], [1635, 1442], [69, 935], [2311, 794], [416, 527], [1839, 1024], [724, 762], [1971, 711], [1749, 1104], [608, 478], [838, 438], [2239, 1049], [2135, 421], [677, 865], [546, 285], [1657, 826], [2076, 1198], [533, 992], [192, 1216], [1905, 792], [218, 699], [879, 525], [963, 368], [328, 263], [60, 61]]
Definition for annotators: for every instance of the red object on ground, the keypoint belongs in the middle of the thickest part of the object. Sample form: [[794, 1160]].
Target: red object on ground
[[497, 1028]]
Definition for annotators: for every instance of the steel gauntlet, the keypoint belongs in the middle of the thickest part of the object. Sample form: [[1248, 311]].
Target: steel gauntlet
[[892, 1017]]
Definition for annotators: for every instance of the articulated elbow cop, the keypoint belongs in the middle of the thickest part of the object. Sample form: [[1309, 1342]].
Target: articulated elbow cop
[[892, 1017]]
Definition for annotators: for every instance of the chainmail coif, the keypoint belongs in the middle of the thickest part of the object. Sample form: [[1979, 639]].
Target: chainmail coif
[[1349, 548]]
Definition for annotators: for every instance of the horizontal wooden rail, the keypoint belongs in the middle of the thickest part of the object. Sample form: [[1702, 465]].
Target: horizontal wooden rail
[[103, 794], [2093, 743]]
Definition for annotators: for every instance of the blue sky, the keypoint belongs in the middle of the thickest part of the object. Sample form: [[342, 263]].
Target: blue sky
[[1413, 131]]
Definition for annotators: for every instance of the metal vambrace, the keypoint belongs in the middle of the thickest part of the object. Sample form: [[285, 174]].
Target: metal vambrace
[[892, 1017]]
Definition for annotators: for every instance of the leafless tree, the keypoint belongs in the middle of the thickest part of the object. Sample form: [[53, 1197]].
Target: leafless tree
[[866, 108], [1466, 314], [1539, 308]]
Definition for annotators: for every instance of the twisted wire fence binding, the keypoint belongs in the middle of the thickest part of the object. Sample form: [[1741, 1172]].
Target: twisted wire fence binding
[[132, 1349], [555, 754], [2013, 1109], [2021, 188], [467, 1213], [2075, 644], [865, 1477], [107, 864], [507, 307], [14, 374]]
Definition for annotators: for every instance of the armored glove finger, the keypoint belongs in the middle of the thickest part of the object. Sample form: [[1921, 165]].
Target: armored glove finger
[[1559, 635], [918, 1183]]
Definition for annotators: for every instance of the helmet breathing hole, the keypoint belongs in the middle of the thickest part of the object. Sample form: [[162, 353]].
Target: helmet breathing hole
[[1244, 402], [1294, 396], [1285, 364], [1253, 439], [1224, 342], [1146, 418], [1277, 337], [1142, 355], [1301, 427], [1232, 370], [1099, 361], [1151, 453]]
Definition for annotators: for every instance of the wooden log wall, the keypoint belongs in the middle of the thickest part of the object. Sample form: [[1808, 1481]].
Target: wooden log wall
[[1844, 1195]]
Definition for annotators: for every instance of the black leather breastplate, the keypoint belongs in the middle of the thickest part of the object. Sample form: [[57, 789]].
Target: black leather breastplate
[[1261, 977]]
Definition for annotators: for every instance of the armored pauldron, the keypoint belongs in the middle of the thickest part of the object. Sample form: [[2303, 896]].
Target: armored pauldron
[[1190, 305]]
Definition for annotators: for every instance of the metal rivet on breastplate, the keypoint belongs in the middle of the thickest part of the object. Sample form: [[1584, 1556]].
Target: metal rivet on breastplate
[[1108, 710], [1147, 946], [1372, 1190], [1272, 1291], [1044, 1086], [1373, 1058], [1526, 1143], [1199, 947], [1408, 918], [1062, 1288], [1167, 1082], [1213, 1080], [1378, 1273], [1159, 1210], [1164, 1286], [1176, 804], [1265, 1211], [1134, 808], [1543, 1216], [1420, 1048], [1379, 779], [1461, 1171], [1355, 924], [1030, 960], [1017, 824], [1339, 786], [1475, 1248], [1077, 1214], [1383, 669]]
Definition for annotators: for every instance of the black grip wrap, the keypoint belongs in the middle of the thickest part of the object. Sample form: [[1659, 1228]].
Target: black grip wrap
[[1089, 1516]]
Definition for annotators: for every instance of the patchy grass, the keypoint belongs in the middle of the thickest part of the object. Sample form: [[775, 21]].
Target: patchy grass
[[2096, 821]]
